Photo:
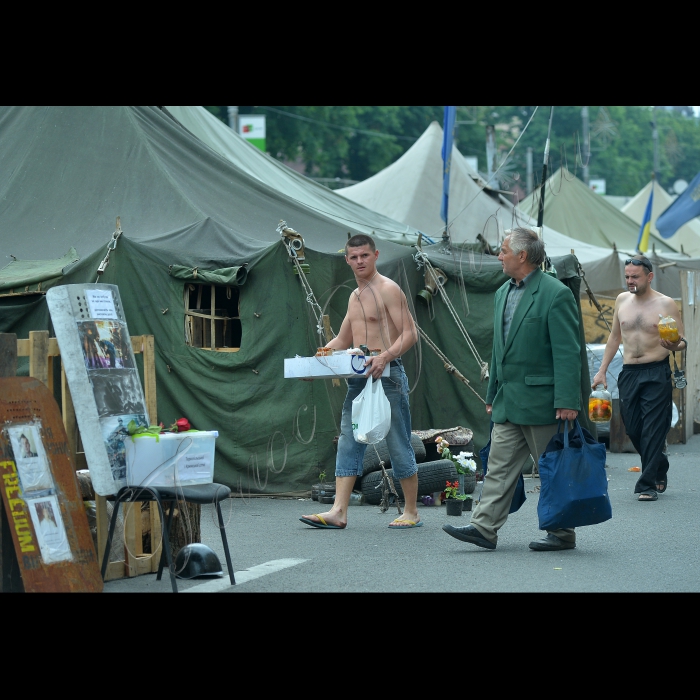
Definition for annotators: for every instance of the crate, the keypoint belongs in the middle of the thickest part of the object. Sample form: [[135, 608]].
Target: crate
[[171, 459], [343, 366]]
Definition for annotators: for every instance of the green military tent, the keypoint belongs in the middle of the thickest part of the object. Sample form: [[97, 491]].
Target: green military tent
[[221, 138], [578, 212], [202, 242]]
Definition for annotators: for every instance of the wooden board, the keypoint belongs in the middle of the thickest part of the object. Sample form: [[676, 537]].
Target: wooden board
[[26, 404]]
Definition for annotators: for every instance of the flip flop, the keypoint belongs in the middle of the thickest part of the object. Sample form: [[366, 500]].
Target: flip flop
[[323, 524], [410, 524], [661, 485], [648, 496]]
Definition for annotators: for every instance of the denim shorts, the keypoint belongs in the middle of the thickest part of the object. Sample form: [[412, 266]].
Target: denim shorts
[[351, 453]]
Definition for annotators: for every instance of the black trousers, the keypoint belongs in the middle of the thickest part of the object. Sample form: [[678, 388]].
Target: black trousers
[[646, 407]]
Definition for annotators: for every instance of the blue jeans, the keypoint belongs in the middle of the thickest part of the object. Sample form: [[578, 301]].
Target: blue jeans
[[398, 440]]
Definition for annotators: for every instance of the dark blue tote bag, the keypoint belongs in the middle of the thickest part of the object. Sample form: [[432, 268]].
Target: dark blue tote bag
[[573, 482], [519, 496]]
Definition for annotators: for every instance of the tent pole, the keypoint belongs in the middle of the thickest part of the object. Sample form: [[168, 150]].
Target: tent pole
[[540, 215]]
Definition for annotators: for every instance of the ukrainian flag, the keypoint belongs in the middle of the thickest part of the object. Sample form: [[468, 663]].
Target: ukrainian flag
[[643, 242]]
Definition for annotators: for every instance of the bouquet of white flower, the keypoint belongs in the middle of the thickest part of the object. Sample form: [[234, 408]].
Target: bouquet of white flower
[[463, 461]]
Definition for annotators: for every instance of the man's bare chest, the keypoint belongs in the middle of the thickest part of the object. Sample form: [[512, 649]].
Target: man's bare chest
[[366, 308], [635, 321]]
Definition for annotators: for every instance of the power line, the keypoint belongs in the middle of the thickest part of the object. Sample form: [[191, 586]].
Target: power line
[[342, 128]]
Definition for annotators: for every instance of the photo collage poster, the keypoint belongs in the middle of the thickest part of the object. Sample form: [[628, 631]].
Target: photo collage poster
[[112, 371], [38, 490]]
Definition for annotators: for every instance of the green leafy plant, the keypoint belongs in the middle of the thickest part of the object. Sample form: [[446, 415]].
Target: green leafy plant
[[451, 491]]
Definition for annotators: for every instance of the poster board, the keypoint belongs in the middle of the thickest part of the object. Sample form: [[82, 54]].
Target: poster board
[[40, 493], [99, 363]]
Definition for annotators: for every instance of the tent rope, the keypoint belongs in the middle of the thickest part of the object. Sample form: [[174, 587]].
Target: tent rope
[[422, 258], [290, 238], [449, 367], [110, 247]]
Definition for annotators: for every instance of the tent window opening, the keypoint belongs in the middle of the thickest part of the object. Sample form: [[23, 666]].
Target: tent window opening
[[212, 317]]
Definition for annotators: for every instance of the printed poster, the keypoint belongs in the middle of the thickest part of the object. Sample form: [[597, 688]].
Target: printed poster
[[30, 458], [50, 530]]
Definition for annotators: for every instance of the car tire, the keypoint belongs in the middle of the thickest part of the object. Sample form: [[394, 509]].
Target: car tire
[[431, 478]]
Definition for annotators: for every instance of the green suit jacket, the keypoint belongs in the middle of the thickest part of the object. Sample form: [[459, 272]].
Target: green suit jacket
[[538, 368]]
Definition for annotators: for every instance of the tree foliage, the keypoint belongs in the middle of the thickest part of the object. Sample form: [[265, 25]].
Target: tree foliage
[[355, 142]]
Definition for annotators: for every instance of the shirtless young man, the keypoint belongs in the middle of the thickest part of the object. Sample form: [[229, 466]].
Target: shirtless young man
[[377, 317], [645, 380]]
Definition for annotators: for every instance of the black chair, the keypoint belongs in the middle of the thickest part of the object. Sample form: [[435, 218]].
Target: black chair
[[195, 493]]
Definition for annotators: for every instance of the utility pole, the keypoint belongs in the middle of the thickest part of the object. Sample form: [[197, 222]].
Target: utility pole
[[655, 138], [586, 143], [233, 118], [491, 155], [530, 181]]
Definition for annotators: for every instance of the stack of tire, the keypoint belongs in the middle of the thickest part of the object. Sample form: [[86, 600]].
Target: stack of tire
[[431, 475]]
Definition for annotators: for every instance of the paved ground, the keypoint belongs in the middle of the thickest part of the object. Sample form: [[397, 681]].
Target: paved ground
[[645, 547]]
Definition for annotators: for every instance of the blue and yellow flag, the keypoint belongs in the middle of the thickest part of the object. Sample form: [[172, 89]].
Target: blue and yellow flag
[[681, 210], [643, 242]]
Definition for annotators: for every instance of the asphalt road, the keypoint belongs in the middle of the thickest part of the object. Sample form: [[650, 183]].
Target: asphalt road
[[645, 547]]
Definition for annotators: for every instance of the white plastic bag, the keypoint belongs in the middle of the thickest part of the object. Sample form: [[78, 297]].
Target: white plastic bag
[[371, 413]]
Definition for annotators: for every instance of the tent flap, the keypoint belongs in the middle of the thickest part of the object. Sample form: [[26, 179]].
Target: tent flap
[[231, 276], [20, 275]]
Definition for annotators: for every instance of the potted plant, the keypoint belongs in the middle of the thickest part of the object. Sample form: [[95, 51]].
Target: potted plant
[[325, 490], [455, 501], [464, 464]]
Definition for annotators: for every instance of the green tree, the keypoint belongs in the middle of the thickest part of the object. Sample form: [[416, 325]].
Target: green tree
[[350, 142], [355, 142]]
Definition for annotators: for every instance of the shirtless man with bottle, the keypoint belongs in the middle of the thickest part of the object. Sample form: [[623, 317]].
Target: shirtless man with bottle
[[645, 380], [377, 317]]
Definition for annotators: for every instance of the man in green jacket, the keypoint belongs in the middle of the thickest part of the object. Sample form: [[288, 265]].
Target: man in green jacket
[[535, 379]]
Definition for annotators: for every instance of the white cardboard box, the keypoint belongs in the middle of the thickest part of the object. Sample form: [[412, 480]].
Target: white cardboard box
[[171, 459], [343, 366]]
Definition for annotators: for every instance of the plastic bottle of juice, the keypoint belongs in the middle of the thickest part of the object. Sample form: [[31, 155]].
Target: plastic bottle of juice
[[668, 329]]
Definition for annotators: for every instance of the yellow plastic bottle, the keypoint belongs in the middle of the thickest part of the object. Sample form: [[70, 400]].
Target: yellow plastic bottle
[[668, 329]]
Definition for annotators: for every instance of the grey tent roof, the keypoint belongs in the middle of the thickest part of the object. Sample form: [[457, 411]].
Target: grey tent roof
[[280, 177], [66, 173]]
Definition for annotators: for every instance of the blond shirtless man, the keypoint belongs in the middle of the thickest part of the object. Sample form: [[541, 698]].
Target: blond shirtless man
[[645, 380], [377, 317]]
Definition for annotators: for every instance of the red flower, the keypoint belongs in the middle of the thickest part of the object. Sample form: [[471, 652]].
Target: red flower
[[182, 425]]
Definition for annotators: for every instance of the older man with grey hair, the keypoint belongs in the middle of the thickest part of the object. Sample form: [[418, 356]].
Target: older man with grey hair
[[535, 380]]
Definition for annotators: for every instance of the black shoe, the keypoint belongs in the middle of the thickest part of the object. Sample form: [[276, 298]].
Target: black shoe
[[469, 534], [551, 543]]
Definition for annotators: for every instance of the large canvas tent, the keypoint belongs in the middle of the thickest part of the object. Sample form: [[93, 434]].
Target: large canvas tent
[[410, 190], [192, 221], [227, 143], [576, 211]]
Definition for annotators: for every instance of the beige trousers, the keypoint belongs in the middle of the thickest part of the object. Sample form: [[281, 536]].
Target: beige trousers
[[510, 446]]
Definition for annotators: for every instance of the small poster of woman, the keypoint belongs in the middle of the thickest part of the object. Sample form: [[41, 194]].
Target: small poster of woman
[[32, 465], [49, 528]]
